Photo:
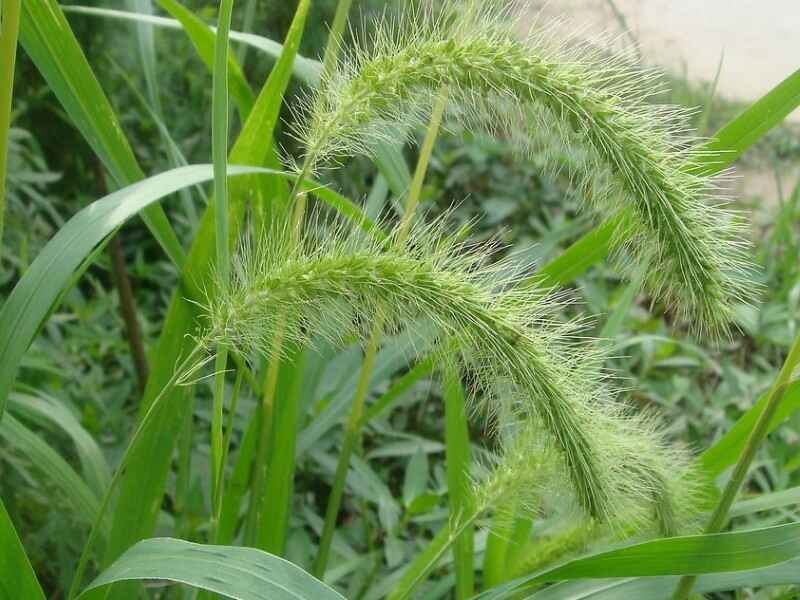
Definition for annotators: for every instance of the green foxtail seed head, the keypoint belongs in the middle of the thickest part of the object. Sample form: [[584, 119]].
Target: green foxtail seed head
[[549, 94], [332, 282]]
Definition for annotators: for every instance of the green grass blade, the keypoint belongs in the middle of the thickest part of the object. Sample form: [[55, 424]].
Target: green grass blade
[[722, 150], [49, 41], [305, 69], [727, 449], [578, 258], [54, 416], [736, 137], [233, 572], [219, 144], [279, 484], [14, 564], [459, 488], [32, 298], [202, 38], [688, 555], [388, 157], [659, 588], [147, 53], [143, 485], [498, 542], [334, 44], [56, 472], [9, 30], [764, 502], [248, 19]]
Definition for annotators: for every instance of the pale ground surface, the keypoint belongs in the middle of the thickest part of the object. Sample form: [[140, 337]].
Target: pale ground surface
[[758, 42]]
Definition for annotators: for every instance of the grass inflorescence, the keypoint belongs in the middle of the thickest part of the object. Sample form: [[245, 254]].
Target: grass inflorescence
[[333, 282], [638, 157]]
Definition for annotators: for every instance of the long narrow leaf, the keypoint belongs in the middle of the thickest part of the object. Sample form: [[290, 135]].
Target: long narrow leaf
[[306, 69], [279, 484], [459, 484], [143, 485], [726, 450], [53, 415], [17, 579], [689, 555], [52, 270], [660, 588], [9, 31], [49, 41], [56, 472], [241, 573]]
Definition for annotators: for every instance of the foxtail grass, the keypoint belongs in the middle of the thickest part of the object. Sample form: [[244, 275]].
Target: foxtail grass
[[639, 158], [332, 283], [354, 422]]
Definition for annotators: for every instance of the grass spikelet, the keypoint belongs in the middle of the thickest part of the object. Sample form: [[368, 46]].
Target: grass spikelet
[[639, 158], [506, 335]]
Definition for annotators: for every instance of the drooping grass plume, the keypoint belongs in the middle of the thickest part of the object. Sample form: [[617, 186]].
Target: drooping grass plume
[[640, 160], [333, 283]]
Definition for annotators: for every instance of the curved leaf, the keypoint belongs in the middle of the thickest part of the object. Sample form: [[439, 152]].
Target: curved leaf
[[306, 69], [51, 414], [56, 471], [14, 564], [235, 572], [33, 296], [727, 449], [688, 555], [51, 271], [661, 588], [49, 41]]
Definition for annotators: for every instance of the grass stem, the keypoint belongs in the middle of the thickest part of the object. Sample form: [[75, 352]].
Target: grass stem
[[459, 489], [9, 30], [219, 143], [353, 430], [127, 301], [127, 308], [297, 200], [351, 439], [335, 38], [186, 366], [719, 517], [426, 561]]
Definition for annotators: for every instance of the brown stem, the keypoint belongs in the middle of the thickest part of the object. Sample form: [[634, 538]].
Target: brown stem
[[127, 308], [127, 302]]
